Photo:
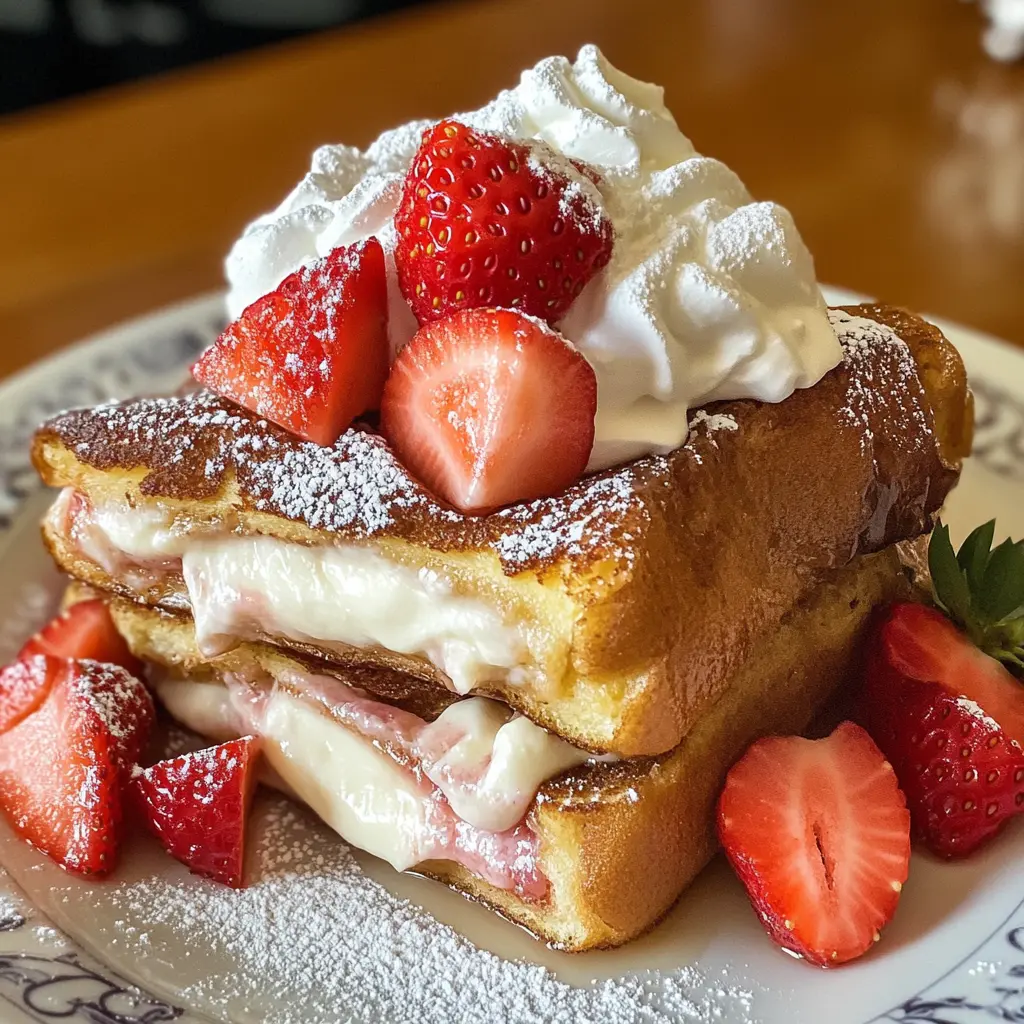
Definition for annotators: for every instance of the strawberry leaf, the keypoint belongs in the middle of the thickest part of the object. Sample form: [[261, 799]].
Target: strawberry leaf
[[973, 556], [948, 579], [1002, 593], [982, 590]]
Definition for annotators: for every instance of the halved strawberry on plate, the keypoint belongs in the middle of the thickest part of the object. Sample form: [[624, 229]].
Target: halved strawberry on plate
[[819, 834], [198, 804], [940, 699], [489, 406], [64, 765], [313, 354]]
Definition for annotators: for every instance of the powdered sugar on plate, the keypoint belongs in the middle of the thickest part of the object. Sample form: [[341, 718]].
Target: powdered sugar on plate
[[314, 939]]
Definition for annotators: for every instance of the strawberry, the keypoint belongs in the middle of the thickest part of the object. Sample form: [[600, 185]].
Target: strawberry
[[819, 834], [197, 806], [489, 407], [948, 716], [63, 767], [313, 354], [86, 632], [485, 221]]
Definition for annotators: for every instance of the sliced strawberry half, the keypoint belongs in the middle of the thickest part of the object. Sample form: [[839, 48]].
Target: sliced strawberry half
[[489, 407], [486, 221], [818, 832], [86, 632], [950, 719], [313, 354], [64, 766], [197, 805]]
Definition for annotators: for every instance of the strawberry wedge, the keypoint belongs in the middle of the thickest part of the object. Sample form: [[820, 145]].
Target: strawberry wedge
[[197, 805], [86, 632], [64, 766], [313, 354]]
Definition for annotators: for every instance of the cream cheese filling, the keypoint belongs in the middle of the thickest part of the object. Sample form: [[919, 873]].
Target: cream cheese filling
[[346, 594], [461, 791]]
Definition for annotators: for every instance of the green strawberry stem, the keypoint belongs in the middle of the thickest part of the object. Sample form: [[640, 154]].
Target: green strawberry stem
[[981, 588]]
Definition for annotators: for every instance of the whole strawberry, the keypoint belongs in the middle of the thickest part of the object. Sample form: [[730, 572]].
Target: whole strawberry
[[948, 715], [485, 221]]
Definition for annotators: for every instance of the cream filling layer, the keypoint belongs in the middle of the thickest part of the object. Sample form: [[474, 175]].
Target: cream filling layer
[[461, 794], [346, 594]]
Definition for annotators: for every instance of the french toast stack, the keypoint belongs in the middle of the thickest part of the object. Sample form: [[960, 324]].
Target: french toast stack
[[650, 622]]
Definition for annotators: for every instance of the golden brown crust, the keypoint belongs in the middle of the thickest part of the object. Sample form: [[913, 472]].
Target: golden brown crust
[[942, 373], [620, 841], [645, 587], [190, 447]]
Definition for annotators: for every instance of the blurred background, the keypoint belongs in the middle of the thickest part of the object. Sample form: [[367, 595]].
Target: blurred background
[[138, 137], [50, 49]]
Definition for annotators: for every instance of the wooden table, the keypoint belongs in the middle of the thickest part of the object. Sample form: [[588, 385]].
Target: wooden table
[[896, 143]]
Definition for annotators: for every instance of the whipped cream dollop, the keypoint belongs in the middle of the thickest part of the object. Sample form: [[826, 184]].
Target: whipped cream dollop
[[708, 295]]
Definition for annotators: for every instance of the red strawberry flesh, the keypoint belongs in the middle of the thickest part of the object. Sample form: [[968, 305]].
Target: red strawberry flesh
[[63, 768], [489, 407], [485, 221], [197, 805], [922, 644], [818, 832], [24, 685], [313, 354], [85, 631]]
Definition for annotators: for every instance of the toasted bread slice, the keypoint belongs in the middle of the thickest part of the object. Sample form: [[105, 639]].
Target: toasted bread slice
[[620, 841], [634, 597]]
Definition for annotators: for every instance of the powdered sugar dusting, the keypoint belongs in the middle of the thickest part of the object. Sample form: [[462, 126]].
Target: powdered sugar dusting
[[355, 483], [12, 910], [314, 939], [713, 422], [358, 481], [112, 694], [975, 711], [607, 501], [883, 370], [201, 774], [580, 200]]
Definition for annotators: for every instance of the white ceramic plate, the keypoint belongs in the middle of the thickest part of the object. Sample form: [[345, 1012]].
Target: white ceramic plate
[[325, 936]]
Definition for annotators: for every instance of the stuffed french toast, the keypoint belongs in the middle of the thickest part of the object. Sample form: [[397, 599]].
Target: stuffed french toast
[[531, 483]]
